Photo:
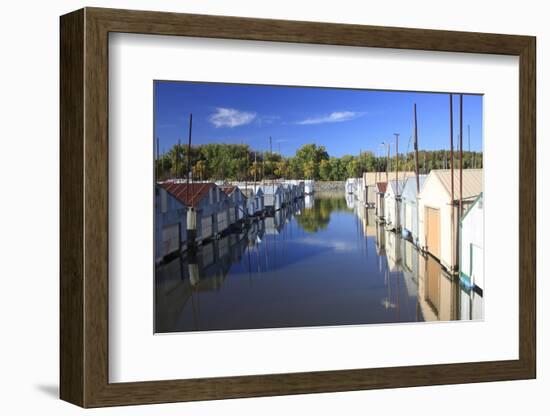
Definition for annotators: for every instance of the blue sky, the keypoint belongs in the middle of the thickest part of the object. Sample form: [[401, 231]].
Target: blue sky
[[345, 121]]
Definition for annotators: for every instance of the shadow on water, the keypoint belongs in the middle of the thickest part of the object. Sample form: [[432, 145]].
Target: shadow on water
[[322, 261]]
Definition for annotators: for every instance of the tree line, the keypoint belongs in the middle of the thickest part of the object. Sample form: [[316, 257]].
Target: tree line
[[239, 162]]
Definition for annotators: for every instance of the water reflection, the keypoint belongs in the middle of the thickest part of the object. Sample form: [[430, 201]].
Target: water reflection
[[322, 261]]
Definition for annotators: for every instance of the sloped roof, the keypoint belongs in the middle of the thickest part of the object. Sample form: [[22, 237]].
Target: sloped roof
[[188, 194], [409, 190], [369, 178], [472, 181], [228, 189], [381, 187], [396, 187]]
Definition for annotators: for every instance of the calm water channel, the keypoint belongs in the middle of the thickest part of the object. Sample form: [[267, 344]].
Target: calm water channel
[[323, 261]]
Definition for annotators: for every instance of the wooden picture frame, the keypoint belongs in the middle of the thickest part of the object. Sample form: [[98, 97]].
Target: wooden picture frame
[[84, 207]]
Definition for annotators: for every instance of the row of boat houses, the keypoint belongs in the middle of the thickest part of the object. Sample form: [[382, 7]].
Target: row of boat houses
[[427, 213], [188, 214]]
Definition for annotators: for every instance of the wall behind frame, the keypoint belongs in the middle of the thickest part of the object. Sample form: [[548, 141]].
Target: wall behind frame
[[29, 212]]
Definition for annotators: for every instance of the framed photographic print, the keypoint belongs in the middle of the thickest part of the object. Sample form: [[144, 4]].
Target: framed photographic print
[[255, 207]]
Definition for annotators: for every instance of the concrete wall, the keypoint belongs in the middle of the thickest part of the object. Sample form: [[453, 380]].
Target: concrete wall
[[326, 186]]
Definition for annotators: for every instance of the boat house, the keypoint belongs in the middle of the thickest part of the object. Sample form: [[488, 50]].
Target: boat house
[[170, 224], [380, 204], [409, 207], [207, 208], [273, 196], [392, 201], [438, 215], [471, 244], [237, 203]]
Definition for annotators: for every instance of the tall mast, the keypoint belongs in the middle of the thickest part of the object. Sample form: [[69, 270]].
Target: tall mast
[[255, 169], [189, 153], [452, 182], [460, 162], [387, 161], [246, 172], [157, 167], [416, 151], [396, 161], [177, 159]]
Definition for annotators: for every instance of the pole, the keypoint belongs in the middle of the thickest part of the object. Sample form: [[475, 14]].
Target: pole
[[157, 174], [189, 153], [460, 160], [470, 148], [255, 168], [460, 185], [416, 151], [452, 179], [396, 178], [246, 173], [387, 161], [177, 159], [396, 162]]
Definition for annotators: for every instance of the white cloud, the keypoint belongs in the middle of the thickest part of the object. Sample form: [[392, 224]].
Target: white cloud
[[229, 117], [334, 117]]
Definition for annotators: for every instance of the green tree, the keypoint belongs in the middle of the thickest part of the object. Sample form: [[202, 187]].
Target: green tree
[[325, 173]]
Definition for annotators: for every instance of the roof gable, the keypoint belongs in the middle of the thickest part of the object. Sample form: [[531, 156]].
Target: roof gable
[[472, 182], [381, 187], [188, 194], [409, 190], [395, 187]]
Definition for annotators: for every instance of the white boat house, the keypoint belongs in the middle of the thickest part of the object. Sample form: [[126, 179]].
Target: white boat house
[[273, 196], [370, 179], [409, 207], [207, 207], [392, 202], [438, 214], [237, 208], [471, 244], [380, 204], [170, 224]]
